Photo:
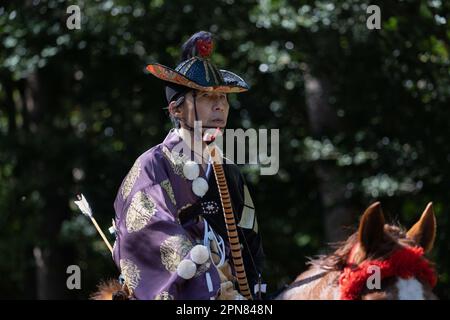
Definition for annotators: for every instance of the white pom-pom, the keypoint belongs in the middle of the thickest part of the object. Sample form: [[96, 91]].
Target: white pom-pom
[[191, 170], [186, 269], [200, 186], [199, 254]]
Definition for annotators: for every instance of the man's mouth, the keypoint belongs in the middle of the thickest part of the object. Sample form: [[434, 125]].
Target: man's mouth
[[218, 121]]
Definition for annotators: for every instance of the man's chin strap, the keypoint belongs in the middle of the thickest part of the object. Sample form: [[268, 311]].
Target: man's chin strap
[[194, 96]]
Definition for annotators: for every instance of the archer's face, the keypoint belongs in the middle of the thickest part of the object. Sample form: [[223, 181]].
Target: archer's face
[[212, 109]]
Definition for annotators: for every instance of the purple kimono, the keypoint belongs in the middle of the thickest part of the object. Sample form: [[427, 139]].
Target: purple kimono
[[157, 225]]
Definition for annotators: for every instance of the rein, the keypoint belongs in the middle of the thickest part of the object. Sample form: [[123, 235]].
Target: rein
[[302, 282]]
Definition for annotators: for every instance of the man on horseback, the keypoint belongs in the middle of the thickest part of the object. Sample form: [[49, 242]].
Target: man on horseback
[[172, 241]]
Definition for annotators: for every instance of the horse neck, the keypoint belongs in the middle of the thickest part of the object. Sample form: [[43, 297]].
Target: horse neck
[[325, 287]]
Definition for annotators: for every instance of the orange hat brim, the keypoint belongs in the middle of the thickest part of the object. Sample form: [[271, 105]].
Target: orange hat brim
[[167, 74]]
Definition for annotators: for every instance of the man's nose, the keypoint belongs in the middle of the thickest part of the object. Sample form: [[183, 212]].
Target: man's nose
[[219, 105]]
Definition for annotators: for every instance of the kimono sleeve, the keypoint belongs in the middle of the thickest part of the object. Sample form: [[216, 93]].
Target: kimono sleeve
[[153, 251]]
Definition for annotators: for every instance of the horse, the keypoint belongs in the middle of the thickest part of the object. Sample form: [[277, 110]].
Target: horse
[[403, 271], [378, 262]]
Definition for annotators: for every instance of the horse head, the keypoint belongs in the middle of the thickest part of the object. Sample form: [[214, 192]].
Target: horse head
[[378, 262]]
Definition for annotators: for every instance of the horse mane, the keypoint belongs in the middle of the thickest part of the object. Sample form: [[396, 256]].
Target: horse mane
[[394, 237], [110, 290]]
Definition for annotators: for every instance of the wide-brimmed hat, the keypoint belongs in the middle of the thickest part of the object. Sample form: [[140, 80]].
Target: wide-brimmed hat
[[196, 71]]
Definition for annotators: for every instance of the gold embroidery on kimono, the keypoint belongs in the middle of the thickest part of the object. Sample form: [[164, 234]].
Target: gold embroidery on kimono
[[173, 250], [141, 210], [176, 161], [130, 273], [168, 188], [164, 296], [201, 269], [131, 179]]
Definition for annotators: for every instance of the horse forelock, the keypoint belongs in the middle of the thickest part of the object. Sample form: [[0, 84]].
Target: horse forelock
[[394, 238]]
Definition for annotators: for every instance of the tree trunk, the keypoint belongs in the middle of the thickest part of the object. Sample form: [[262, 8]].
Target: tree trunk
[[24, 107], [9, 104], [51, 257], [324, 122]]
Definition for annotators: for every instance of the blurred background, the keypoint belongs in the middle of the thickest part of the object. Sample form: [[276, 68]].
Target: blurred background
[[363, 116]]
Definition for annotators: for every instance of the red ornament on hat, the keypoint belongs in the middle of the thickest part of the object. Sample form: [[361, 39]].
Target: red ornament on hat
[[204, 47]]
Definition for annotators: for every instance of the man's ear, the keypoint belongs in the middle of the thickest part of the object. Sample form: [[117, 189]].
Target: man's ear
[[174, 109]]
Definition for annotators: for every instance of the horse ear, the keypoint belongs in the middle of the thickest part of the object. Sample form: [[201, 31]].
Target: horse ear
[[424, 231], [371, 229]]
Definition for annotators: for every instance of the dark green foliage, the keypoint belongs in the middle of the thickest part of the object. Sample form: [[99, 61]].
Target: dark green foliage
[[77, 108]]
